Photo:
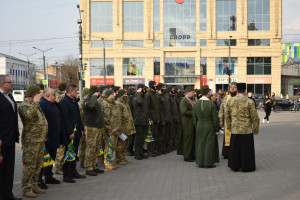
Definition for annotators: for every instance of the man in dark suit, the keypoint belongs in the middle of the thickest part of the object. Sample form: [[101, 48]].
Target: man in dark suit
[[9, 135]]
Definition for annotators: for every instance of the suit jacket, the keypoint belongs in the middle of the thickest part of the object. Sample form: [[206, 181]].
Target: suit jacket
[[9, 129]]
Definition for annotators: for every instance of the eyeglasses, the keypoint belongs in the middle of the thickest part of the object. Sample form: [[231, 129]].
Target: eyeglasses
[[8, 82]]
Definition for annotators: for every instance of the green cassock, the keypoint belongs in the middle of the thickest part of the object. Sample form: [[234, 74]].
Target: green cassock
[[206, 120], [188, 129]]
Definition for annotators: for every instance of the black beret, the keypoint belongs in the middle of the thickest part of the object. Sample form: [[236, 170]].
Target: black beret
[[160, 85], [140, 86]]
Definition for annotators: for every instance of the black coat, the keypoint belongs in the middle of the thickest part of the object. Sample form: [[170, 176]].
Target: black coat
[[71, 116], [56, 132], [140, 110], [9, 129]]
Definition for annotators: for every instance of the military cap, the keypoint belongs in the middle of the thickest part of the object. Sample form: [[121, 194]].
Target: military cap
[[169, 88], [140, 86], [94, 89], [85, 91], [233, 83], [108, 93], [101, 89], [151, 84], [189, 89], [205, 89], [160, 85], [130, 90], [32, 89], [116, 88], [241, 87], [121, 93], [62, 86]]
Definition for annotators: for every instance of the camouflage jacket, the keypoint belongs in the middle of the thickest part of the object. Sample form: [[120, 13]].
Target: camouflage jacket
[[59, 96], [81, 110], [222, 109], [127, 123], [101, 98], [241, 116], [35, 125], [112, 117]]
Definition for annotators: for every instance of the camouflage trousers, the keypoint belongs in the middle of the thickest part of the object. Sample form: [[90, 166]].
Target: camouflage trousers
[[59, 160], [114, 146], [121, 150], [93, 141], [33, 160], [82, 149]]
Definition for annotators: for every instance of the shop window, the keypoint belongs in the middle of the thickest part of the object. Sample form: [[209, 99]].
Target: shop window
[[222, 66], [259, 65], [133, 12], [133, 66], [97, 66], [101, 17], [226, 15], [179, 66], [259, 88]]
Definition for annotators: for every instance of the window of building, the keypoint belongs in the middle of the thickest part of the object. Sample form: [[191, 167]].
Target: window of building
[[96, 43], [133, 43], [156, 64], [175, 80], [203, 43], [222, 66], [179, 23], [258, 42], [226, 15], [133, 12], [97, 69], [259, 65], [259, 88], [203, 66], [179, 66], [221, 43], [258, 15], [133, 66], [101, 17], [156, 43], [203, 15], [156, 15]]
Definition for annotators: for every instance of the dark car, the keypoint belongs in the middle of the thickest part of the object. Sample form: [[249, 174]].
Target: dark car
[[259, 100], [284, 104]]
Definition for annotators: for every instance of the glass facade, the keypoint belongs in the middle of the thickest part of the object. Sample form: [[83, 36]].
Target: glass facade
[[259, 65], [203, 15], [101, 17], [258, 15], [97, 69], [179, 23], [133, 43], [203, 66], [221, 43], [226, 15], [179, 66], [96, 43], [222, 66], [156, 66], [156, 15], [133, 12], [133, 66], [258, 42]]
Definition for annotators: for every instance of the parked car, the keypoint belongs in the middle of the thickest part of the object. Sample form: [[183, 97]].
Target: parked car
[[19, 95], [259, 100], [284, 104]]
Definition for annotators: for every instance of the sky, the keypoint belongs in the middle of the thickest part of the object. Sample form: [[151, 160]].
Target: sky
[[53, 24]]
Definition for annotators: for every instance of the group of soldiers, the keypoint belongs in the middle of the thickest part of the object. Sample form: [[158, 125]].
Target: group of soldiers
[[109, 122]]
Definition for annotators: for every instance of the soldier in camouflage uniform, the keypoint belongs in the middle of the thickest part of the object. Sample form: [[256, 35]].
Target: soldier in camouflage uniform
[[59, 160], [242, 121], [112, 125], [94, 122], [82, 144], [131, 93], [127, 126], [101, 98], [35, 129]]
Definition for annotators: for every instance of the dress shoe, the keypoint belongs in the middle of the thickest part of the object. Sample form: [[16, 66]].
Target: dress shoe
[[52, 180], [29, 194], [42, 185], [79, 176], [38, 190], [189, 160], [99, 171], [59, 172], [144, 156], [91, 173], [69, 180], [151, 154], [138, 157], [130, 153]]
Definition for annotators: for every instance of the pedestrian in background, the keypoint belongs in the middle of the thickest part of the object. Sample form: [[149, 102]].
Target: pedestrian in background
[[9, 135], [268, 108], [35, 129]]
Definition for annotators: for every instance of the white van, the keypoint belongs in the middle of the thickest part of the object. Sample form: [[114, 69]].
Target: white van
[[19, 95]]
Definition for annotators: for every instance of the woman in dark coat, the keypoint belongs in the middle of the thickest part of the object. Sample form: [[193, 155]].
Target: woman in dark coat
[[267, 106]]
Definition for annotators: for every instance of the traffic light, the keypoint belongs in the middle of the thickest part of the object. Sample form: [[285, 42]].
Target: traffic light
[[83, 84], [85, 66]]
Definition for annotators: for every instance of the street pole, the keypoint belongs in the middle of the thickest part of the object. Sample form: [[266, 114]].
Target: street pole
[[44, 62], [229, 62], [27, 56], [79, 22], [104, 67]]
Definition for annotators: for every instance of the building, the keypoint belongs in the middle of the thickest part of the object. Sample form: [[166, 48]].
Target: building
[[19, 70], [290, 77], [290, 50], [183, 42]]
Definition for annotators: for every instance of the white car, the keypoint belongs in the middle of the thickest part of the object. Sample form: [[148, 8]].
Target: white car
[[19, 95]]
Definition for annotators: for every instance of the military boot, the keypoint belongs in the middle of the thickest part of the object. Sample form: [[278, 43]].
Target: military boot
[[29, 194], [138, 157], [91, 173], [38, 190]]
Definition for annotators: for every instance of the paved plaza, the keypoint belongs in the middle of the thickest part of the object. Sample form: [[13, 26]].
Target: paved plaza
[[168, 177]]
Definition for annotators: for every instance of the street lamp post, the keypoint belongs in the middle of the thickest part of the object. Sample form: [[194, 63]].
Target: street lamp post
[[229, 62], [27, 56], [79, 22], [44, 62], [104, 67]]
